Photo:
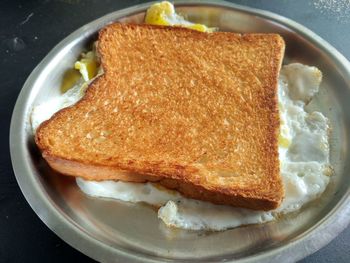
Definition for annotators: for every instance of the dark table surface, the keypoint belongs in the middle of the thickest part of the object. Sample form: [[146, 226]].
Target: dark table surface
[[30, 29]]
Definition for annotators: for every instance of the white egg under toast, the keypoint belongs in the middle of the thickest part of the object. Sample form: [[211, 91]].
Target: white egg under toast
[[196, 112]]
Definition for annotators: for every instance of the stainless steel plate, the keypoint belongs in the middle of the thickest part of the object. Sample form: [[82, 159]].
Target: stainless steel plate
[[113, 231]]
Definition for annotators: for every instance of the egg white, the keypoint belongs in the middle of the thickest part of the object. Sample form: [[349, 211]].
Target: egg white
[[304, 162]]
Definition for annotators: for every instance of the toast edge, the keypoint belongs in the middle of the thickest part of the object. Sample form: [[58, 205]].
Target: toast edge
[[188, 188]]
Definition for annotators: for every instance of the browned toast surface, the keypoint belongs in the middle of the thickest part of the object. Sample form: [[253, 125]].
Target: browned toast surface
[[197, 112]]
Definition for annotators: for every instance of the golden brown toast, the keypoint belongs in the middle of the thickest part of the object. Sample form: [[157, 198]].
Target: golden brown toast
[[197, 112]]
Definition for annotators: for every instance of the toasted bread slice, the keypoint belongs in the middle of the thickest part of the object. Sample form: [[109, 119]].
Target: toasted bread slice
[[194, 111]]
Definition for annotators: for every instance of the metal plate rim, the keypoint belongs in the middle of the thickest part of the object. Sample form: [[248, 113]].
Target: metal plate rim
[[337, 220]]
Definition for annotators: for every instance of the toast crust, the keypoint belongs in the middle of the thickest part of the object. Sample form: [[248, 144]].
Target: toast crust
[[227, 155], [187, 188]]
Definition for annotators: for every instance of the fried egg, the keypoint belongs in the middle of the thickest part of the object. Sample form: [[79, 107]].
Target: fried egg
[[303, 153], [303, 148]]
